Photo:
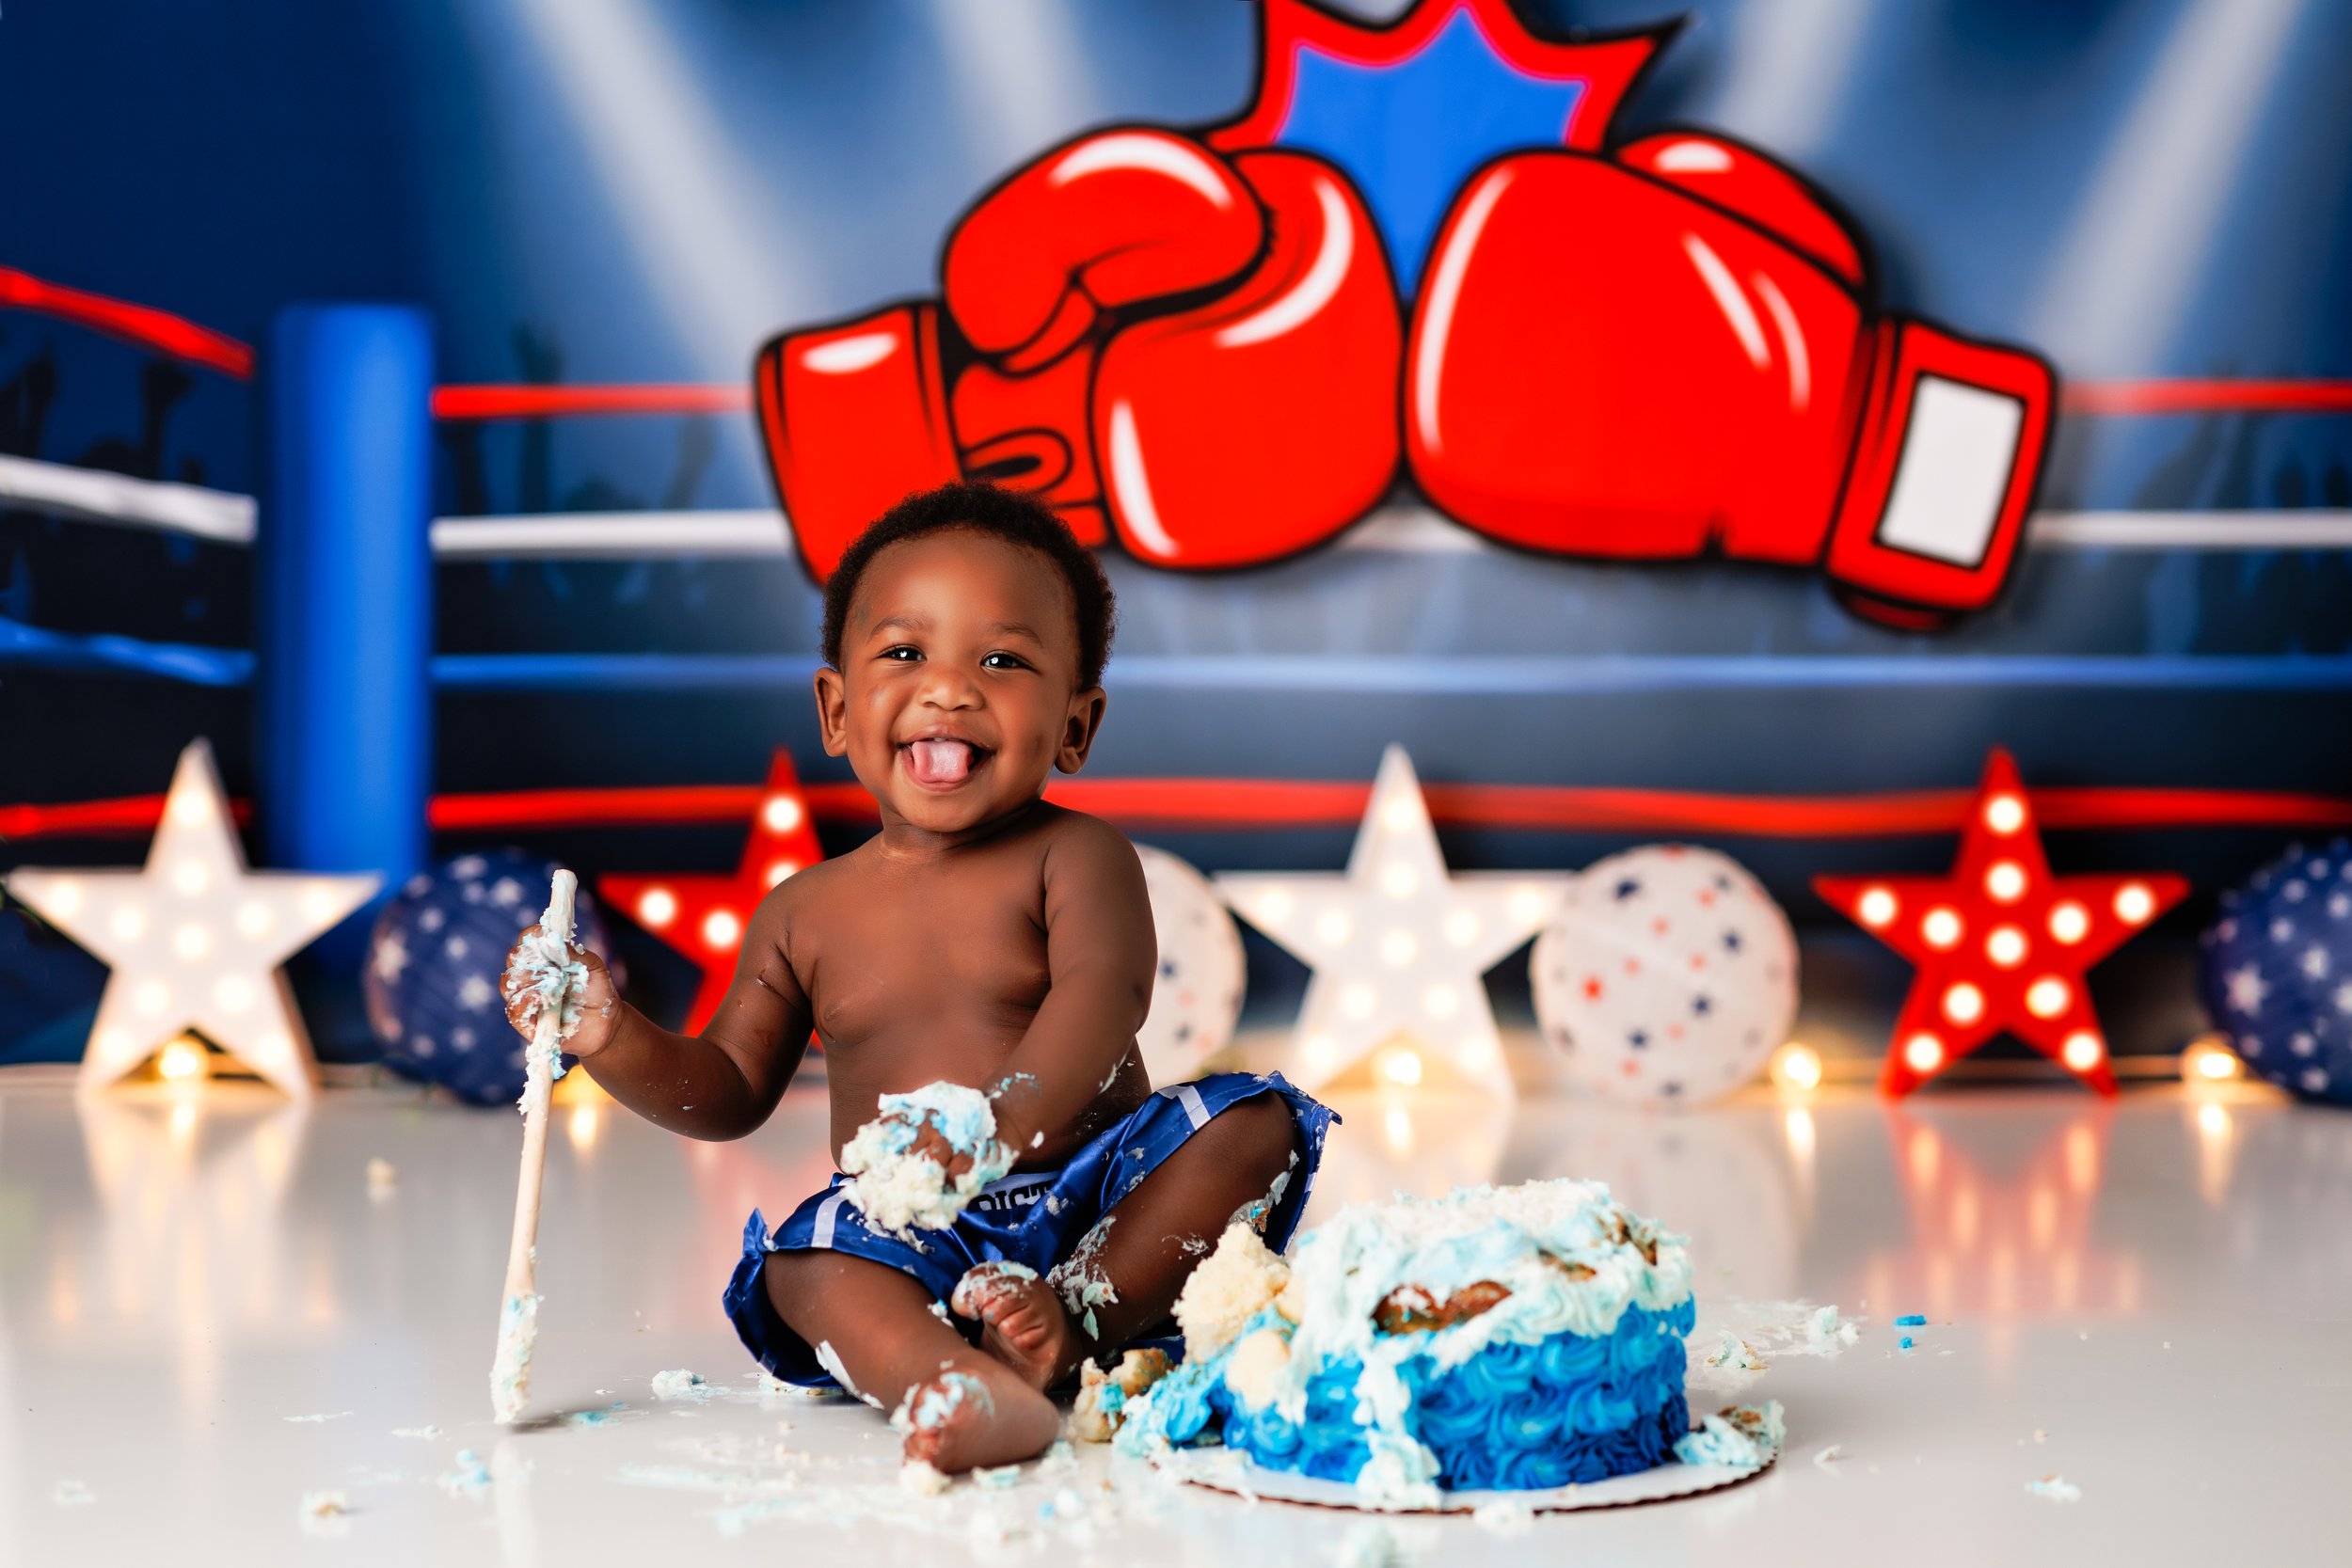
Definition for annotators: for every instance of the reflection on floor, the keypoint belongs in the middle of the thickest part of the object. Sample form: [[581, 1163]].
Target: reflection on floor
[[206, 1313]]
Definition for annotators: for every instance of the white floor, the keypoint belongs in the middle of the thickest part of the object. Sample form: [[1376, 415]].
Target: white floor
[[204, 1315]]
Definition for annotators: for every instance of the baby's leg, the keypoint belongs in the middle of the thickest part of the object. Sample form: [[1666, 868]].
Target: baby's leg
[[1146, 1247], [881, 1330]]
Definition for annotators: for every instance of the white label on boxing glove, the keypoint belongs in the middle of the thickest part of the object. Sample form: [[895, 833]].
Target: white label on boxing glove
[[1959, 447]]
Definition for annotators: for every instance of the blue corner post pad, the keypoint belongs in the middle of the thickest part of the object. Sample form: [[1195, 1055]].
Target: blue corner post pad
[[343, 629]]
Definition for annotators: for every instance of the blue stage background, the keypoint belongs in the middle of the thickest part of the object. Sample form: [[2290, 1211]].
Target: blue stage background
[[605, 191]]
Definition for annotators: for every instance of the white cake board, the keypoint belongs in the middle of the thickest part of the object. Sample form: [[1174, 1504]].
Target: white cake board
[[1226, 1470]]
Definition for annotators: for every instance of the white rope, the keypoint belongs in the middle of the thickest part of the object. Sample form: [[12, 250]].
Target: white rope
[[218, 514], [100, 497]]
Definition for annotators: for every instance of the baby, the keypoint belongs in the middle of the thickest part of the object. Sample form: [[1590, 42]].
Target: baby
[[976, 971]]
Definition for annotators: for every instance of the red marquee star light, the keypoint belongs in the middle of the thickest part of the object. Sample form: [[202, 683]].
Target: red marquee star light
[[2000, 944], [703, 915]]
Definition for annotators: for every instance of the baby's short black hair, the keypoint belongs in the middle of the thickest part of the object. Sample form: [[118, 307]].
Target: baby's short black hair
[[1012, 515]]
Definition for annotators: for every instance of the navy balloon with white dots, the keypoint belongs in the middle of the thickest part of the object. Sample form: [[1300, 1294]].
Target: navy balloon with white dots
[[435, 962], [2276, 971]]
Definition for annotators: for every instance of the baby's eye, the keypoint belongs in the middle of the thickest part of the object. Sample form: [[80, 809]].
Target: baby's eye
[[1004, 661], [903, 652]]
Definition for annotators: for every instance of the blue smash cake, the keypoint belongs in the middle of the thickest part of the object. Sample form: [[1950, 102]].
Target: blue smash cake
[[1513, 1338]]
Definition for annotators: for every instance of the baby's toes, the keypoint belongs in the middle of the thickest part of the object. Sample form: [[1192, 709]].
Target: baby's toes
[[986, 1289], [938, 1417]]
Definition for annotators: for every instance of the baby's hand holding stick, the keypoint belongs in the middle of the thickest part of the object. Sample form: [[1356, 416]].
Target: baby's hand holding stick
[[543, 967]]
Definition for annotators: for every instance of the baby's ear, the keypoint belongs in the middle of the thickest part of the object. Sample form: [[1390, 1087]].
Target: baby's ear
[[1079, 728], [833, 710]]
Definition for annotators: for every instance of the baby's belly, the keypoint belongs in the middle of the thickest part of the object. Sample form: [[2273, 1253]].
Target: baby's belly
[[858, 1073]]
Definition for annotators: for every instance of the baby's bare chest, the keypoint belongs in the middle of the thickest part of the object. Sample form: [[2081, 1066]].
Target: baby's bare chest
[[948, 955]]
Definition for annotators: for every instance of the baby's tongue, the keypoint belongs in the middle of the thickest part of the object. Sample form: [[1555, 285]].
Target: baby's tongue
[[940, 762]]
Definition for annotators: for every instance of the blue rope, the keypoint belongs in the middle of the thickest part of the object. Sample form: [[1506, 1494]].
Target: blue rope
[[1541, 676]]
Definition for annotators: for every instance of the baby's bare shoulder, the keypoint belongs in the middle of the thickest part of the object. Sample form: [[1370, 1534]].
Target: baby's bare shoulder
[[1073, 837]]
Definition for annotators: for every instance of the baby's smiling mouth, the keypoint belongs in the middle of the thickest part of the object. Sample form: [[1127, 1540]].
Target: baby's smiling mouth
[[940, 760]]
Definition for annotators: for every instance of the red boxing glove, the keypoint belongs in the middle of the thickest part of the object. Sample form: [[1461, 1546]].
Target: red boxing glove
[[1221, 334], [1669, 349]]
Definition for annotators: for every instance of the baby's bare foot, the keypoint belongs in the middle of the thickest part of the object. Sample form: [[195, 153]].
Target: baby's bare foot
[[1025, 1327], [955, 1422]]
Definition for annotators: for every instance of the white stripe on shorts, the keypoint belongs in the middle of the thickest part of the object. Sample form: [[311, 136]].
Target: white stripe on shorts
[[1189, 1098], [821, 1236]]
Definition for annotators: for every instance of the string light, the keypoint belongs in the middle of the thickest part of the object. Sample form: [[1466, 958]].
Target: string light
[[1797, 1067], [2209, 1060], [182, 1061]]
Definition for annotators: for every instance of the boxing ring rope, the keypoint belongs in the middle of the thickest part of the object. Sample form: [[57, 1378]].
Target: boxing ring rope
[[346, 598]]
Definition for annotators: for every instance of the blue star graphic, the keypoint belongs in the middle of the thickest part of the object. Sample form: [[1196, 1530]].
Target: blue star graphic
[[1411, 132]]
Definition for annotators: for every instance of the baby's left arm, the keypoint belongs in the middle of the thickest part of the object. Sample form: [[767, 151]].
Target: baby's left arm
[[1101, 955]]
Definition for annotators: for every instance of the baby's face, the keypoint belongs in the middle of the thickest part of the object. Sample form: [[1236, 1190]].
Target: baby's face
[[957, 692]]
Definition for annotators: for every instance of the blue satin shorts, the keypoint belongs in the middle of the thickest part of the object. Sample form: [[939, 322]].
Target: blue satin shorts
[[1036, 1218]]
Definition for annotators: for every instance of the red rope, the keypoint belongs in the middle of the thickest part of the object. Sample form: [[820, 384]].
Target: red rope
[[183, 339], [160, 330], [1210, 804]]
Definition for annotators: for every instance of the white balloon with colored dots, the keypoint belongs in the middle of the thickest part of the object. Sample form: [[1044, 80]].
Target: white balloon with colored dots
[[1666, 973], [1196, 996]]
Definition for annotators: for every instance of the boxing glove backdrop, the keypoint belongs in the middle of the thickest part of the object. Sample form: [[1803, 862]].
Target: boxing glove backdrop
[[1197, 352], [1669, 349]]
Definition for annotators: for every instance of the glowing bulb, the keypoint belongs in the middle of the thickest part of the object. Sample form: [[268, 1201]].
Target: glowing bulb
[[181, 1061], [2049, 996], [1398, 949], [1274, 906], [129, 923], [1878, 907], [1923, 1052], [1797, 1067], [1334, 927], [1478, 1051], [192, 941], [318, 903], [2212, 1121], [114, 1040], [152, 997], [2005, 814], [190, 805], [2082, 1051], [657, 908], [1398, 879], [2006, 881], [779, 870], [65, 900], [190, 877], [2207, 1060], [254, 918], [2006, 947], [721, 930], [2070, 922], [273, 1047], [1461, 927], [1941, 928], [781, 814], [235, 993], [1359, 1000], [1320, 1053], [2134, 903], [1400, 1067], [1527, 903], [583, 1125], [1963, 1004], [1441, 1001], [1400, 815]]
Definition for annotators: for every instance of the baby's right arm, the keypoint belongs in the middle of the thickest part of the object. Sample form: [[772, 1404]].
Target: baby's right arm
[[721, 1083]]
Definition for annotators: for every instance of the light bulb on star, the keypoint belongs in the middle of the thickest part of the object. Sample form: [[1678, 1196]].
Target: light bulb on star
[[1397, 942], [195, 939], [704, 914], [2000, 944]]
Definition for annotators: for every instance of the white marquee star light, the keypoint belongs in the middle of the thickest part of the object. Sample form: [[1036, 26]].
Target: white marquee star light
[[195, 939], [1397, 942]]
